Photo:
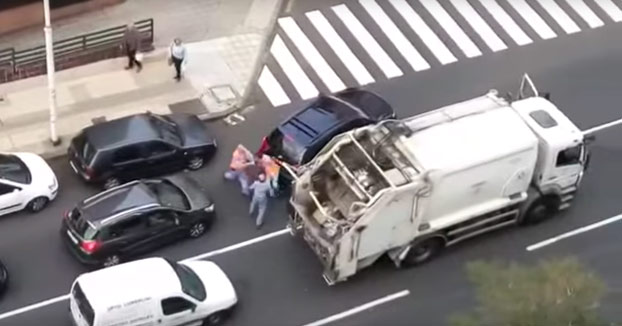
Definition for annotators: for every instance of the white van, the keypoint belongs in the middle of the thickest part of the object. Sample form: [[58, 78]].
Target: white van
[[152, 291]]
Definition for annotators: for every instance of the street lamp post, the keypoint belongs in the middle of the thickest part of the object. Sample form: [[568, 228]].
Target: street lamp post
[[49, 51]]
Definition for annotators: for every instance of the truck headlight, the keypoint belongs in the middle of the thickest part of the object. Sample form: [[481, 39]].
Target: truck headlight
[[209, 208]]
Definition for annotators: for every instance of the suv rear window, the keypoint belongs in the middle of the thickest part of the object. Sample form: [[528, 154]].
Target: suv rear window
[[291, 149], [84, 149], [82, 226], [83, 304]]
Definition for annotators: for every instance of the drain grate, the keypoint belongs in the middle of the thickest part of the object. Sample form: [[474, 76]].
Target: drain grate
[[194, 106]]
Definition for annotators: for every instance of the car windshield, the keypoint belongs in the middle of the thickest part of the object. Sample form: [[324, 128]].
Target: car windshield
[[191, 284], [167, 129], [13, 169], [169, 195]]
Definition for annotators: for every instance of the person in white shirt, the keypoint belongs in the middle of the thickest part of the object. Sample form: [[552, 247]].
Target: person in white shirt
[[177, 56]]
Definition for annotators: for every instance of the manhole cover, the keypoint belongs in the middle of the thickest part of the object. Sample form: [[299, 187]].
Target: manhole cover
[[189, 107], [223, 93]]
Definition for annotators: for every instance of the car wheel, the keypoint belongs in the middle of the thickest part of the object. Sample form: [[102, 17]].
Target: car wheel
[[195, 163], [215, 319], [111, 260], [197, 230], [37, 204], [423, 251], [111, 182]]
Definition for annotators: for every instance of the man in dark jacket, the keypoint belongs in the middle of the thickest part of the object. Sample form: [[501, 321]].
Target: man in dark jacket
[[131, 42]]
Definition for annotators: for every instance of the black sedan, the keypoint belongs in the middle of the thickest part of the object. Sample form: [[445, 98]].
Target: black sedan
[[4, 278], [140, 146], [135, 218]]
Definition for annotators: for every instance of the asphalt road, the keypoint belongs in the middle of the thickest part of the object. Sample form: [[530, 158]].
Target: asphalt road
[[279, 280]]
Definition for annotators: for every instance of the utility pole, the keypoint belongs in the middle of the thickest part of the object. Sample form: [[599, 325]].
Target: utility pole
[[49, 51]]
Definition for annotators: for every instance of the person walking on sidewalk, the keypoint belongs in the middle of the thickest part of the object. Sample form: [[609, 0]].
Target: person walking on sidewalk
[[261, 190], [131, 42], [177, 57]]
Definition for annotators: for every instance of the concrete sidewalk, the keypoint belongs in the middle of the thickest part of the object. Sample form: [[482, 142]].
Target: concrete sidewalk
[[218, 78]]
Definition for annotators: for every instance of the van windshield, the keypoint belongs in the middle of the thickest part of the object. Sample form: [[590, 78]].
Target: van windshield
[[83, 304], [191, 284]]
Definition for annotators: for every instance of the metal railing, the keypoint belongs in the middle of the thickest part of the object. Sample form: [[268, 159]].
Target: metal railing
[[103, 38]]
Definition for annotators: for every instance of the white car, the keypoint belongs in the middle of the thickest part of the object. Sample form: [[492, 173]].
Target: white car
[[26, 181], [152, 291]]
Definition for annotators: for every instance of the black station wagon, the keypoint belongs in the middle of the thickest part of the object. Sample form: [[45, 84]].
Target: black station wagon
[[140, 146]]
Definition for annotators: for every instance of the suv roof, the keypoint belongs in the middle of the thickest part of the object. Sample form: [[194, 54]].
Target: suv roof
[[122, 131], [118, 202], [139, 279]]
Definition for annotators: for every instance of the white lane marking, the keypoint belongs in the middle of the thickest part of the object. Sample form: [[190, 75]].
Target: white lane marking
[[343, 52], [292, 69], [611, 9], [451, 27], [533, 19], [425, 33], [586, 13], [382, 59], [233, 247], [359, 309], [271, 87], [408, 51], [574, 232], [479, 25], [311, 54], [502, 17], [560, 16]]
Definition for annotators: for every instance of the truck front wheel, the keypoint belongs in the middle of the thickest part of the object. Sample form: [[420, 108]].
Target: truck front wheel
[[540, 209], [423, 251]]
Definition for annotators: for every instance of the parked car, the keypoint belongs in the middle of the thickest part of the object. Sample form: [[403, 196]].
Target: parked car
[[4, 278], [140, 146], [26, 181], [299, 138], [135, 218], [153, 291]]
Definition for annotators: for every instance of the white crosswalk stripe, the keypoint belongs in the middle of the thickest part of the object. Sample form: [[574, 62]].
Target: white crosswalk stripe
[[416, 61], [451, 27], [292, 69], [271, 87], [479, 25], [508, 24], [339, 47], [364, 41], [533, 19], [438, 48], [315, 59], [611, 9], [585, 12], [382, 59], [560, 16]]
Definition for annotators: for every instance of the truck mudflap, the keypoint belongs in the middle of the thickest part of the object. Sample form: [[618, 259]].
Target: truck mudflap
[[294, 223]]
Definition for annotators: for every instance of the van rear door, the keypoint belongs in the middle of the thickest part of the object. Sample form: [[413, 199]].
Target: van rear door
[[81, 310]]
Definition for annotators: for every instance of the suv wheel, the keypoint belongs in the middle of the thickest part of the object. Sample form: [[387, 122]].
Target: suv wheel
[[111, 260], [37, 204], [195, 163], [197, 230], [111, 182]]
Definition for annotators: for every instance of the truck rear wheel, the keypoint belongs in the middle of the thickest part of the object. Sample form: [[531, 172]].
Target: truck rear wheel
[[423, 251], [541, 209]]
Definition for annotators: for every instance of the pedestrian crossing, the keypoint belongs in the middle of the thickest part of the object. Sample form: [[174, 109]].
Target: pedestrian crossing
[[361, 42]]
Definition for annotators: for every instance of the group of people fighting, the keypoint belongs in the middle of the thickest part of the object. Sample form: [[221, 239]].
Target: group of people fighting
[[257, 176]]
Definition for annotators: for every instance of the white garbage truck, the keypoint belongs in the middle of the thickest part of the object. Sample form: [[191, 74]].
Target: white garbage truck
[[408, 188]]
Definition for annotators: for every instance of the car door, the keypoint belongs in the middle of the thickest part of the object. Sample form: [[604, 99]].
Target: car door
[[11, 198], [164, 227], [179, 311], [128, 163], [129, 237], [161, 157]]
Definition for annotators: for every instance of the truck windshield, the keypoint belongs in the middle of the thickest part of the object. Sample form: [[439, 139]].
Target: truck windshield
[[191, 284], [83, 304]]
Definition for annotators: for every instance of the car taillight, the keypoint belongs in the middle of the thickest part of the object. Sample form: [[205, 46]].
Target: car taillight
[[89, 172], [90, 246]]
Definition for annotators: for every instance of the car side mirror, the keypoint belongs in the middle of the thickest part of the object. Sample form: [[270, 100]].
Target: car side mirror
[[17, 189]]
